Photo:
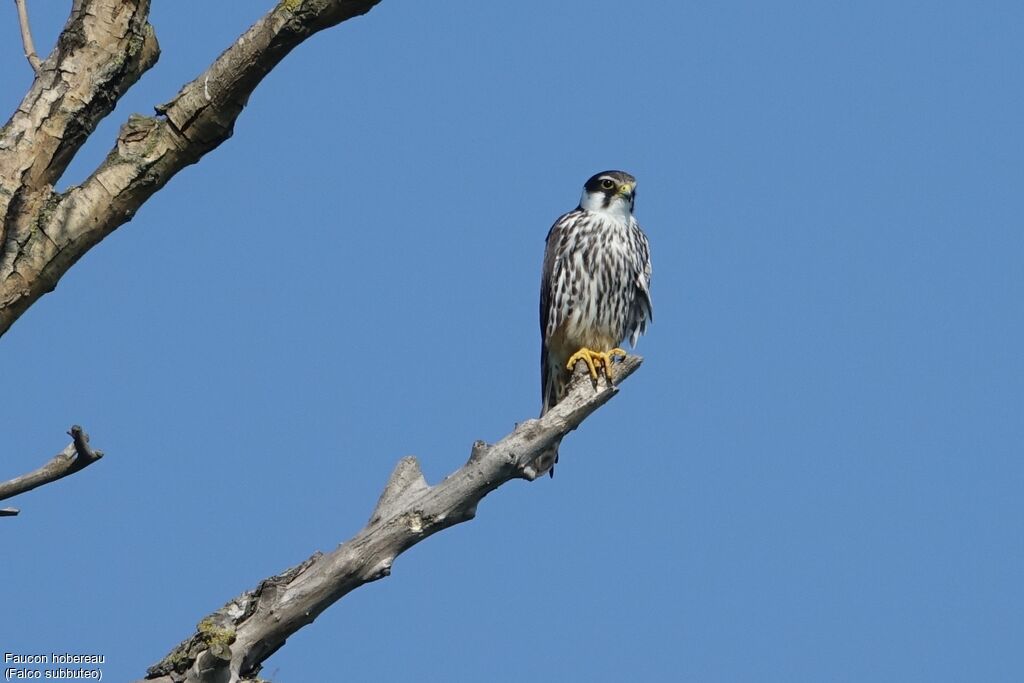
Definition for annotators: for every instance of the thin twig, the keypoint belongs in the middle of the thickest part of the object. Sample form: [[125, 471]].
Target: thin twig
[[26, 35], [76, 456]]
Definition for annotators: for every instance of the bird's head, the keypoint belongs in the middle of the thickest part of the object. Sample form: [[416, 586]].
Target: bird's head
[[610, 192]]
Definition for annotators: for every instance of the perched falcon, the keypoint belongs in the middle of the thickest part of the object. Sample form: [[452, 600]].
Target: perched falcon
[[594, 289]]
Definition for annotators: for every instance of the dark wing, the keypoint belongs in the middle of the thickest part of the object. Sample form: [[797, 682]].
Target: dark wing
[[644, 310], [552, 311], [552, 304]]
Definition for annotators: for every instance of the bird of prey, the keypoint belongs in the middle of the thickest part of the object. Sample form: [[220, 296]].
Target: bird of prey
[[594, 288]]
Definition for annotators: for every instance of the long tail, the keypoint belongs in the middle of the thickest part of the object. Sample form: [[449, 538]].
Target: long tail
[[553, 384]]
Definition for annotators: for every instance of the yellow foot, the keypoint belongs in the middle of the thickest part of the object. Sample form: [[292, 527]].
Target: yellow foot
[[595, 358]]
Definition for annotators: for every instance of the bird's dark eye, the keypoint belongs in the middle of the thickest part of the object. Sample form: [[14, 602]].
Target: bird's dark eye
[[607, 184]]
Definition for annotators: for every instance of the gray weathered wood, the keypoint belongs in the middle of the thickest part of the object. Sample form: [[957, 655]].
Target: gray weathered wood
[[106, 45], [75, 457], [231, 644]]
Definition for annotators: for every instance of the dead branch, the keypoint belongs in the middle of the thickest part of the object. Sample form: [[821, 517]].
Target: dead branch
[[75, 457], [231, 644], [104, 48]]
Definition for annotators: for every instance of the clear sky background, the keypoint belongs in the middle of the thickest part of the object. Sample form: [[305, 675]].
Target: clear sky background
[[817, 474]]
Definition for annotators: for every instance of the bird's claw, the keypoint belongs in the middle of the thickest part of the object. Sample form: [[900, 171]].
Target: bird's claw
[[593, 359]]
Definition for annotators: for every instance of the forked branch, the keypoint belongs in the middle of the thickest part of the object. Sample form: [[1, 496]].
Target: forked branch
[[231, 644], [104, 48]]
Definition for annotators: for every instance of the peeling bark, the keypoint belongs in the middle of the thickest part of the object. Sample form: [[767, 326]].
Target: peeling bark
[[104, 48], [106, 45]]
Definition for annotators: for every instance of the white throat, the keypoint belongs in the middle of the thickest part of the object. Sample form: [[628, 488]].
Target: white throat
[[618, 208]]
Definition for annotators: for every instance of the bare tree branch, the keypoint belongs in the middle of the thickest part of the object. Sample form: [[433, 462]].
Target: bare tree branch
[[231, 644], [42, 233], [75, 457], [26, 35], [105, 46]]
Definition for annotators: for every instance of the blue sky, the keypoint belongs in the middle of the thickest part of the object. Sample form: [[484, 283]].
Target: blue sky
[[816, 475]]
